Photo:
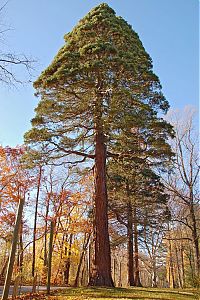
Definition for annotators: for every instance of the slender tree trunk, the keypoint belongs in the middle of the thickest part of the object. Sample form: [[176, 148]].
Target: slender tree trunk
[[50, 257], [5, 262], [120, 274], [102, 272], [171, 266], [68, 262], [182, 265], [45, 261], [35, 220], [87, 272], [178, 265], [21, 252], [89, 261], [85, 245], [114, 270], [3, 270], [192, 264], [45, 232], [195, 239], [83, 273], [130, 244], [154, 277], [60, 258], [136, 255], [13, 250]]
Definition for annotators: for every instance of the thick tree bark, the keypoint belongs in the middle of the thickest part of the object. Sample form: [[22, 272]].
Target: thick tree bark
[[130, 266], [136, 254], [35, 220], [101, 275]]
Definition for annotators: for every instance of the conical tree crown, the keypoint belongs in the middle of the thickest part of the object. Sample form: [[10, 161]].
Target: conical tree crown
[[101, 72], [101, 42]]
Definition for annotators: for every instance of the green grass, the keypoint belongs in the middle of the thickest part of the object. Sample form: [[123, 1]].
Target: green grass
[[123, 294]]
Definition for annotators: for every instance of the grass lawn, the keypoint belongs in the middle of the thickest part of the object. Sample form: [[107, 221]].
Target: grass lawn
[[123, 294]]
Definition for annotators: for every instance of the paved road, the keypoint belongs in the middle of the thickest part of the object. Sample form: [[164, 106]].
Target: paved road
[[28, 289]]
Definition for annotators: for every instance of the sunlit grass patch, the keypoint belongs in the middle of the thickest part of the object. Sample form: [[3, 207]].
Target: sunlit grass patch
[[98, 293]]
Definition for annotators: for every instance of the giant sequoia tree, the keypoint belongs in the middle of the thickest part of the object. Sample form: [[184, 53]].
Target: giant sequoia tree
[[100, 99]]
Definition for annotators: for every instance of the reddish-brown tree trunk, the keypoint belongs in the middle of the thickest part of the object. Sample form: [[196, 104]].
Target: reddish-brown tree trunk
[[101, 275]]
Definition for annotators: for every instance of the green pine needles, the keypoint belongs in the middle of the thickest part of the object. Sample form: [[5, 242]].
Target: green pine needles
[[102, 56], [101, 100]]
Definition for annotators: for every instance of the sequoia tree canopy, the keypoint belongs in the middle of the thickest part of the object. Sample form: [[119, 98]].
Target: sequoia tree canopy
[[102, 56]]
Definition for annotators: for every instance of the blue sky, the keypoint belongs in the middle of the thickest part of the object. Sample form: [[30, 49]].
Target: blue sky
[[168, 30]]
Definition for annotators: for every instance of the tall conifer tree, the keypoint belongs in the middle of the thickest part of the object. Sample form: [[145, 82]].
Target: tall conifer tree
[[100, 92]]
